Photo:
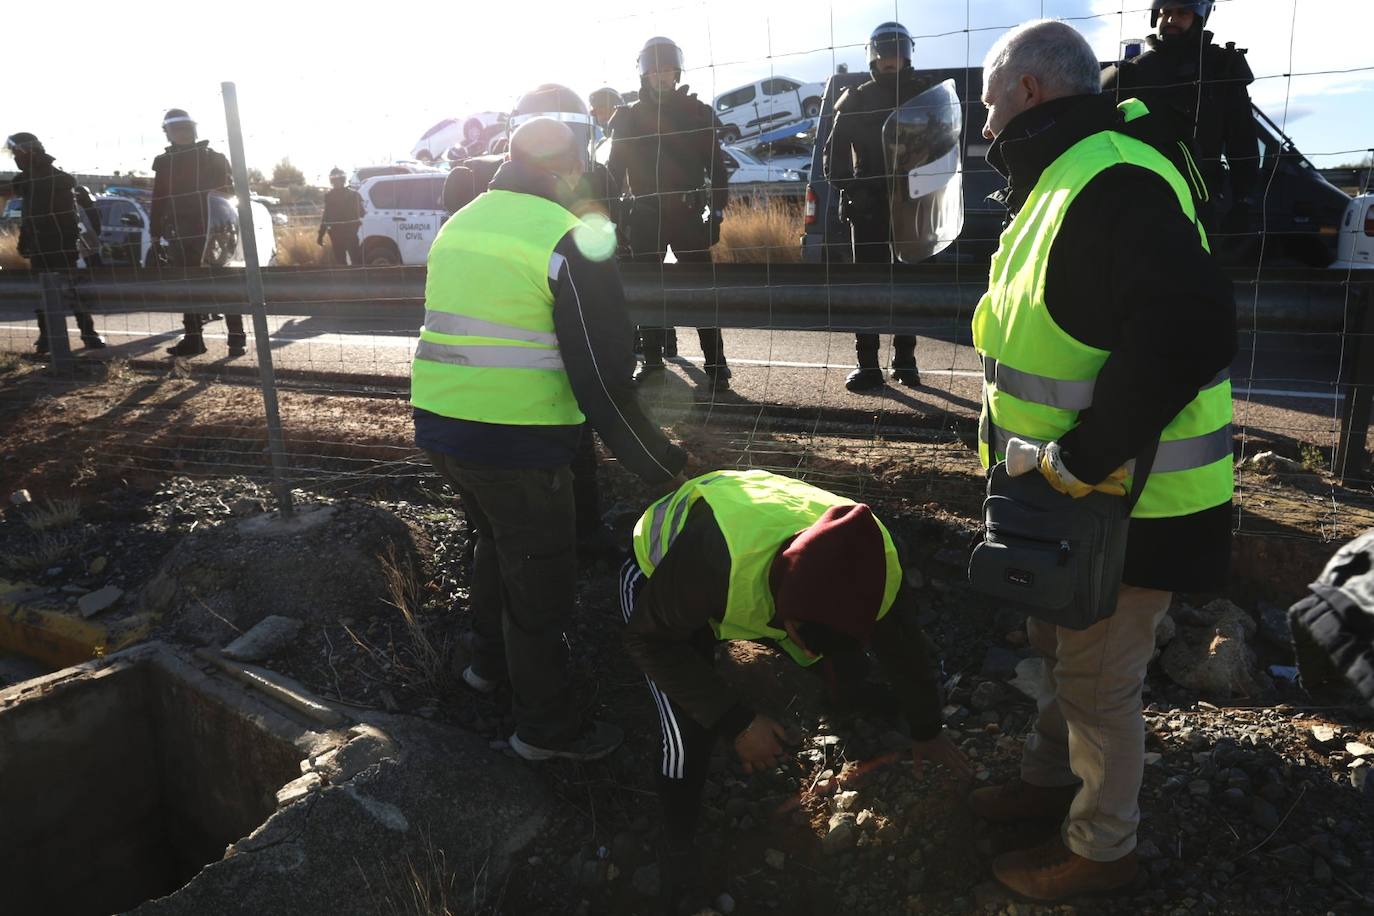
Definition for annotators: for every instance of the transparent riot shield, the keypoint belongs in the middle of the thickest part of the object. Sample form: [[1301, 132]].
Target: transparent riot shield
[[921, 141], [223, 240]]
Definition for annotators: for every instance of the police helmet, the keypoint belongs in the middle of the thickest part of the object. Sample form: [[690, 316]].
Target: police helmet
[[605, 97], [559, 103], [1199, 8], [336, 173], [659, 54], [23, 141], [177, 116], [891, 39]]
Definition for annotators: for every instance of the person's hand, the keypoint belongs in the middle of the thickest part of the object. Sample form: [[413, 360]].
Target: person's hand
[[1050, 460], [760, 745], [942, 750], [319, 240]]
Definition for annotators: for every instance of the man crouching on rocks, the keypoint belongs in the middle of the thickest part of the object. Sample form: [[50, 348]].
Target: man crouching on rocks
[[757, 556]]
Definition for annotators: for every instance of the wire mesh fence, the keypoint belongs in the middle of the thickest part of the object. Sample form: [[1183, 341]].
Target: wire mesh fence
[[341, 337]]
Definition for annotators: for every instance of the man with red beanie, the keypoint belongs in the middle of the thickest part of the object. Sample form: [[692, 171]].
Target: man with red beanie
[[757, 556]]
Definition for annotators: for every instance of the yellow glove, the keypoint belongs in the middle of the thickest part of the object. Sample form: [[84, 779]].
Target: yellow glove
[[1051, 463]]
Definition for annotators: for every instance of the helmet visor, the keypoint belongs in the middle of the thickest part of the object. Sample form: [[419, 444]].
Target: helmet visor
[[889, 44], [660, 57]]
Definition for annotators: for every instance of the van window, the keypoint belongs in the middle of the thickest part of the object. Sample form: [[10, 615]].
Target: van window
[[419, 194], [384, 195], [778, 86], [734, 99]]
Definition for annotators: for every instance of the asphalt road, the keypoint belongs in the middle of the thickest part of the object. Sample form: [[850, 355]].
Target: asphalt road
[[1285, 384]]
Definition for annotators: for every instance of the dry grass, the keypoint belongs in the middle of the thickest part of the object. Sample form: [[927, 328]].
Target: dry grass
[[48, 549], [53, 514], [760, 232], [296, 247], [9, 251], [425, 665]]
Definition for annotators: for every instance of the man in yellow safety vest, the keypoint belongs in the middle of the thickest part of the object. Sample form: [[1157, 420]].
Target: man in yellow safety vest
[[1106, 327]]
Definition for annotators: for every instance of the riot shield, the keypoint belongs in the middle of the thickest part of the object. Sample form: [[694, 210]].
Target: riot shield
[[223, 240], [921, 141]]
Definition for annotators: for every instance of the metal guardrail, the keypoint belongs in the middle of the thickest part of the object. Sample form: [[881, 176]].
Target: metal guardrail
[[841, 297]]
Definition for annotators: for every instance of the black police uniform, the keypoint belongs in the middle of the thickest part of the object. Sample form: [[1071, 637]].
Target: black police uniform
[[343, 217], [664, 148], [48, 231], [1202, 88], [856, 166], [182, 177]]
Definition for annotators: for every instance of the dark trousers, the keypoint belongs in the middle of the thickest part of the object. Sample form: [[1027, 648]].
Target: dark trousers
[[687, 744], [62, 262], [522, 587], [650, 237], [872, 245], [586, 490], [189, 252], [344, 245]]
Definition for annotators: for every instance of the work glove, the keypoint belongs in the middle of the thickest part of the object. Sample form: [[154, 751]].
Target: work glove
[[319, 240], [1022, 457]]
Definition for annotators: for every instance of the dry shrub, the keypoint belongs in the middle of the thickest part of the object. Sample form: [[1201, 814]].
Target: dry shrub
[[296, 247], [760, 232], [9, 251]]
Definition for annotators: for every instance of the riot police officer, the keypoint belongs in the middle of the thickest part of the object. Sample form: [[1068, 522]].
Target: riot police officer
[[1202, 88], [183, 175], [343, 217], [602, 104], [50, 229], [665, 151], [855, 165]]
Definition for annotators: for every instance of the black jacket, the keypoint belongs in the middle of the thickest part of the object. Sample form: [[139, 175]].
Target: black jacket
[[1127, 273], [343, 209], [668, 148], [1202, 88], [182, 176], [854, 160], [595, 340], [688, 590], [48, 231], [1333, 627]]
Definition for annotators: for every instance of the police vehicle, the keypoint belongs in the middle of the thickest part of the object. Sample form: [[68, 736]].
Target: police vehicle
[[402, 218]]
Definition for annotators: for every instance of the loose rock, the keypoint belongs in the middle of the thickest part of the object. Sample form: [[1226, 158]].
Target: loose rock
[[842, 834], [100, 600], [267, 638]]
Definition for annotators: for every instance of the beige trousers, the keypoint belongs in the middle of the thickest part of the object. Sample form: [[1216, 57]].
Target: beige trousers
[[1090, 729]]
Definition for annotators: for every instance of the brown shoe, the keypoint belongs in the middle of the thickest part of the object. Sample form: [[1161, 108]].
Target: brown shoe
[[1051, 871], [1018, 800]]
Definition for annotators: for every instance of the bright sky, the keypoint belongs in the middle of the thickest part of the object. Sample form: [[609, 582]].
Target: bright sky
[[351, 85]]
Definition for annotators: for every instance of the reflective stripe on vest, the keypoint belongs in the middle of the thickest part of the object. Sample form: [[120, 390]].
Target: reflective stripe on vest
[[756, 512], [488, 350], [1037, 377]]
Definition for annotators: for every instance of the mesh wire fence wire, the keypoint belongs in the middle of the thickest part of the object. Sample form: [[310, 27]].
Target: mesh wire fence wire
[[343, 379]]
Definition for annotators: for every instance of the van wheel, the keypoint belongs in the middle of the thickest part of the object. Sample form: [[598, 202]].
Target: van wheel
[[812, 108], [381, 253], [729, 135]]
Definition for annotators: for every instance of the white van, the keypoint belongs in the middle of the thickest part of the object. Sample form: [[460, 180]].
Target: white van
[[402, 218], [1355, 245], [752, 109]]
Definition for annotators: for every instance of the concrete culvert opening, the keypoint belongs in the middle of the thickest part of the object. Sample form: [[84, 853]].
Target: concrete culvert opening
[[118, 786]]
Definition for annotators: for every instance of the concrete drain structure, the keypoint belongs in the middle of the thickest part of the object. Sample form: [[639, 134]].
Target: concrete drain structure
[[121, 778]]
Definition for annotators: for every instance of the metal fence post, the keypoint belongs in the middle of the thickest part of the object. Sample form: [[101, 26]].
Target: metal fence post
[[256, 300], [55, 322]]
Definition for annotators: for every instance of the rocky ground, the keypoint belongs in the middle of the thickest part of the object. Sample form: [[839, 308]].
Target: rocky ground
[[1253, 803], [1257, 797]]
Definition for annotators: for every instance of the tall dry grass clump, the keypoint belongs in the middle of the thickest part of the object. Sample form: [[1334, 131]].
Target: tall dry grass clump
[[296, 247], [9, 251], [760, 232]]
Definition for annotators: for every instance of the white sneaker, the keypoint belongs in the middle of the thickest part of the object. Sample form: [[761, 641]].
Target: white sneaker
[[477, 682]]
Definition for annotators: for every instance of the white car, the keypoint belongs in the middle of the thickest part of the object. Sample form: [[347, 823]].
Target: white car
[[1355, 245], [124, 219], [746, 168], [402, 217], [773, 102]]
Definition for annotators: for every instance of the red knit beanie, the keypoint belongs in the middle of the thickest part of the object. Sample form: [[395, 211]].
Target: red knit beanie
[[834, 573]]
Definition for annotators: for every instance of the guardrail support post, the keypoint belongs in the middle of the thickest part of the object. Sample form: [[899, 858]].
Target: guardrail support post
[[257, 302], [1357, 358]]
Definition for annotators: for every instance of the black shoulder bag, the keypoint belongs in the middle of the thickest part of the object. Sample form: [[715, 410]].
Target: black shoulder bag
[[1054, 557]]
